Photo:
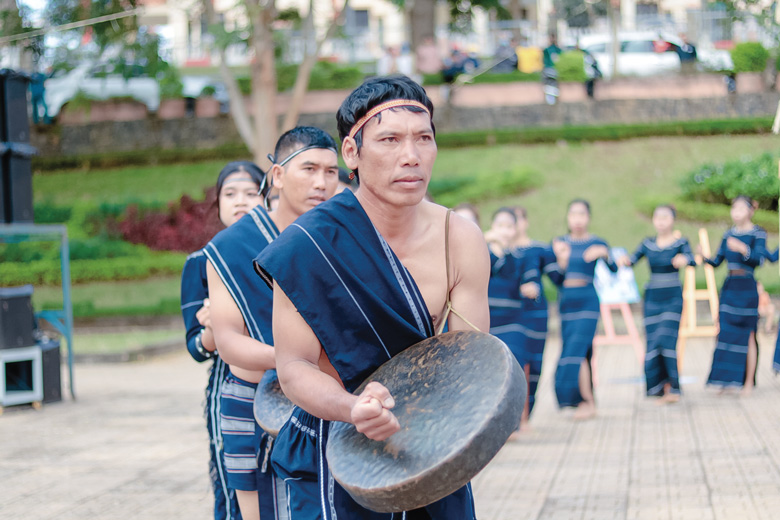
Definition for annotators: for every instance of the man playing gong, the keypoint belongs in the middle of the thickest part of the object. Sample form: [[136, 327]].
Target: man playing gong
[[359, 279]]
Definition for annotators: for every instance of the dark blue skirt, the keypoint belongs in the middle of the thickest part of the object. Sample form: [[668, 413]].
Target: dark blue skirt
[[225, 501], [776, 363], [738, 319], [533, 327], [298, 458], [579, 309], [663, 307], [503, 325]]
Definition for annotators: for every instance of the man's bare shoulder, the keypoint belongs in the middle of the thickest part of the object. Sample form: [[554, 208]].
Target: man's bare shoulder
[[465, 236]]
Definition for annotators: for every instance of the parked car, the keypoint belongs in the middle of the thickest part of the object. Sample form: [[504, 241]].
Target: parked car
[[648, 54], [99, 81]]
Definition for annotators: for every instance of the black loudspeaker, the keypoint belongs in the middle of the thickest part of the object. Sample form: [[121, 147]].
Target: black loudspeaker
[[17, 320], [16, 194], [52, 375], [13, 114]]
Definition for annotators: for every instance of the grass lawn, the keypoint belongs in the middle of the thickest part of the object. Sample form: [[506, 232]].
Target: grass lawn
[[611, 175], [115, 296], [108, 343]]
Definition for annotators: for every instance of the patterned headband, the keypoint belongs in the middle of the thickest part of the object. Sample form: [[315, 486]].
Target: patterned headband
[[384, 106]]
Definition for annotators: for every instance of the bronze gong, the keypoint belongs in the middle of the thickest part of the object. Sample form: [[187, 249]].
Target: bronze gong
[[458, 397]]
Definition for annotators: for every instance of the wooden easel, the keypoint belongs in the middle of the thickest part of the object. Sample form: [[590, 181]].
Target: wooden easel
[[611, 338], [689, 326]]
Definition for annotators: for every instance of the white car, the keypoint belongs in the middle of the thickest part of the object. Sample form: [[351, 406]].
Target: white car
[[647, 54], [100, 82]]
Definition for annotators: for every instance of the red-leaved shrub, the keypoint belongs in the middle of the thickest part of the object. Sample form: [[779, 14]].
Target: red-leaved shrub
[[187, 226]]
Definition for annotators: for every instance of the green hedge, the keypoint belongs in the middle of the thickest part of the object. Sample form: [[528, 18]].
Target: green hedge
[[47, 272], [231, 152], [749, 57], [706, 213], [571, 67], [756, 125], [755, 177], [324, 76]]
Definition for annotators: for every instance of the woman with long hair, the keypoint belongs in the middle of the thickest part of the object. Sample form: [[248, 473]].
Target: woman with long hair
[[736, 352], [536, 258], [663, 303], [238, 191], [576, 254]]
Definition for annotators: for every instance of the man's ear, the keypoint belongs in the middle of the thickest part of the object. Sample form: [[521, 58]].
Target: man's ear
[[350, 153], [276, 176]]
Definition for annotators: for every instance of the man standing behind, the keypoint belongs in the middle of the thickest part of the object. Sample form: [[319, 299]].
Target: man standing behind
[[360, 279], [305, 174]]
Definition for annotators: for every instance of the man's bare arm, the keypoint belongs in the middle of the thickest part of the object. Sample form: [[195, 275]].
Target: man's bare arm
[[298, 353], [235, 347], [470, 264]]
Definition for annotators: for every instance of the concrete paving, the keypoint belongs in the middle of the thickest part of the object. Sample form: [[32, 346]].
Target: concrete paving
[[134, 446]]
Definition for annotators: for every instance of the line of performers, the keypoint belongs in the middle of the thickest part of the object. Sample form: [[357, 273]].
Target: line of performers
[[518, 309]]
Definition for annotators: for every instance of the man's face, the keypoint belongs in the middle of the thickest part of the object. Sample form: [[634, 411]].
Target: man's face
[[307, 180], [397, 156]]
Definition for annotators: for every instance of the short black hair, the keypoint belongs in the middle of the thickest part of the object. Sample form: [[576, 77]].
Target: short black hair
[[375, 91], [301, 137]]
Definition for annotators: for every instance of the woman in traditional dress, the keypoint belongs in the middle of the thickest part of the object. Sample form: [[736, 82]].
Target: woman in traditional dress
[[736, 353], [535, 259], [663, 302], [238, 191], [576, 255], [506, 273]]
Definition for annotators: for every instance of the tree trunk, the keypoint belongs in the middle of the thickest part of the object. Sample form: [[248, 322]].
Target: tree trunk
[[313, 48], [237, 106], [516, 12], [422, 18], [263, 79]]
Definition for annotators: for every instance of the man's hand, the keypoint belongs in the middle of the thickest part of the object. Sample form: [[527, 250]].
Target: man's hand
[[737, 245], [530, 290], [371, 413], [204, 315], [625, 261], [595, 252]]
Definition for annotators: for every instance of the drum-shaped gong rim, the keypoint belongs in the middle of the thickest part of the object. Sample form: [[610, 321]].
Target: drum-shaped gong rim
[[451, 473], [265, 401]]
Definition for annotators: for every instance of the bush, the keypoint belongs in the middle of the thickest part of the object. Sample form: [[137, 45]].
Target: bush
[[171, 86], [324, 76], [208, 91], [749, 57], [570, 67], [452, 191], [47, 272], [720, 183], [186, 226], [48, 213]]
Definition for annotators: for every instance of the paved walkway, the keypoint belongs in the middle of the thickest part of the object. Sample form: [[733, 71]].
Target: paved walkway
[[134, 447]]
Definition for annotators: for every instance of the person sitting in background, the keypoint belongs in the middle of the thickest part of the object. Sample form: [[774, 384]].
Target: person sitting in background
[[687, 53]]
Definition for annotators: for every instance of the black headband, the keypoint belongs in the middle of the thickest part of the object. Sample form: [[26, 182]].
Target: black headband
[[300, 151]]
